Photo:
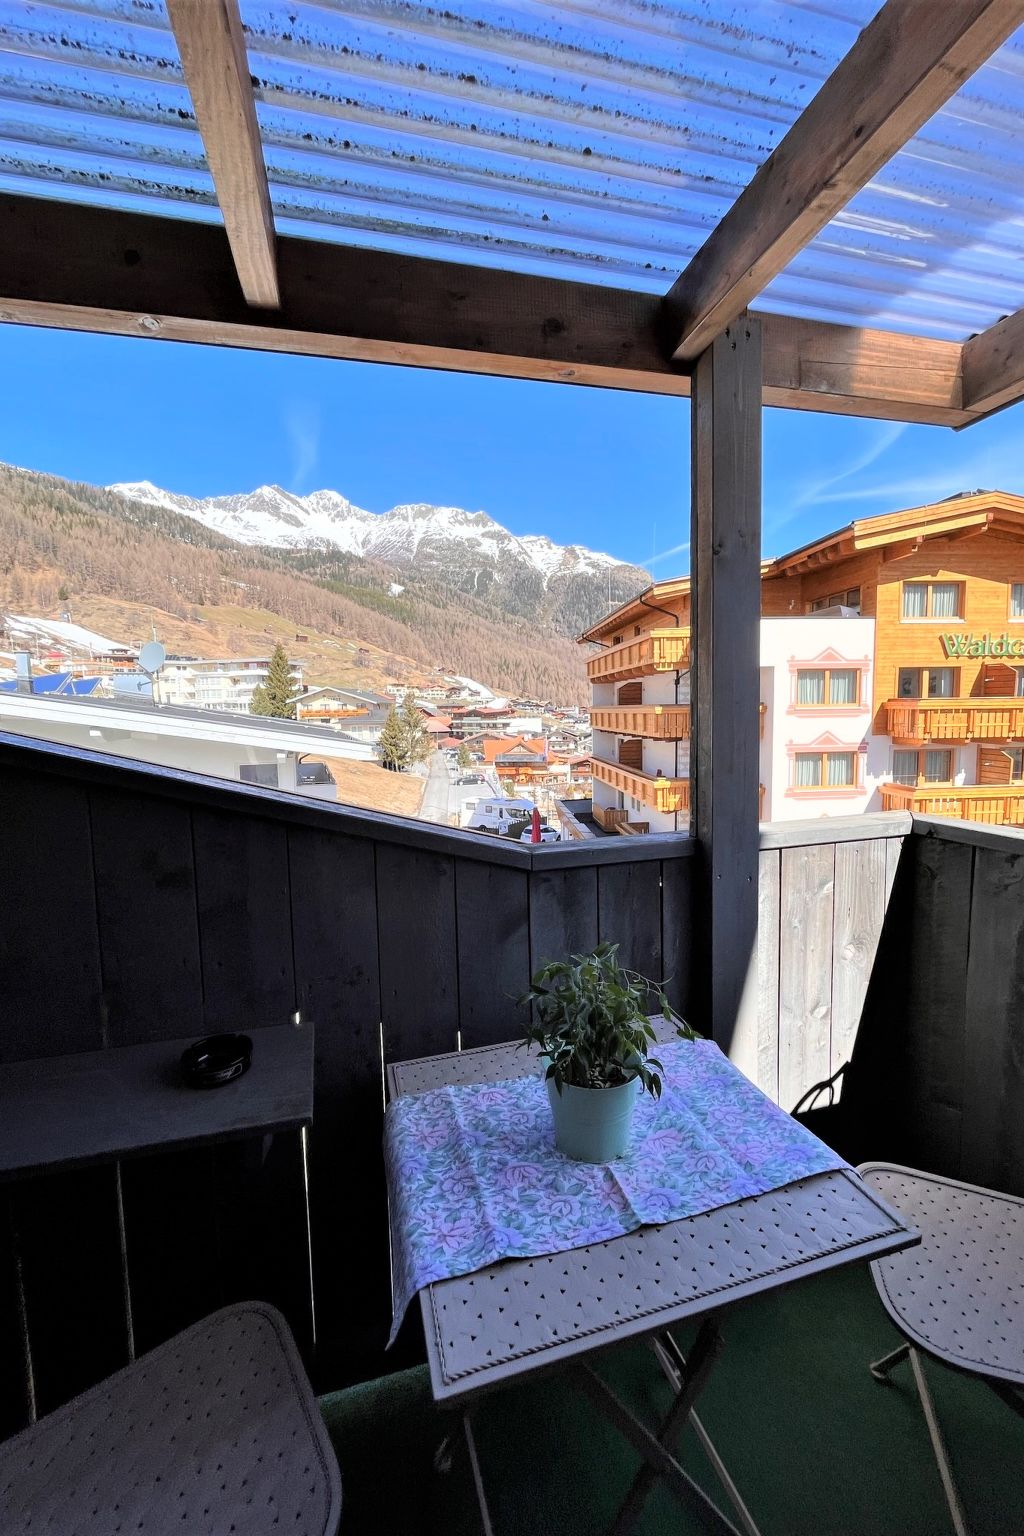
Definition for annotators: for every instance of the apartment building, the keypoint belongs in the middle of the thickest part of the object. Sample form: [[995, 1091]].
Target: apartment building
[[891, 667], [226, 683]]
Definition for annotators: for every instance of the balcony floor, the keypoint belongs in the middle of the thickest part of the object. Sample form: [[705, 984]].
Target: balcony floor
[[816, 1446]]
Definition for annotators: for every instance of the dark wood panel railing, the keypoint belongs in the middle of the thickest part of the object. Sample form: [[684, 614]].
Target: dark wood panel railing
[[149, 904], [144, 904]]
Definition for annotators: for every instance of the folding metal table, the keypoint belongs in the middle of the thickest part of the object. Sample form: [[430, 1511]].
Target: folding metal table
[[514, 1319]]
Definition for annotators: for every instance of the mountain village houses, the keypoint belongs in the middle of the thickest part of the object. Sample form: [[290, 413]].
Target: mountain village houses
[[892, 677]]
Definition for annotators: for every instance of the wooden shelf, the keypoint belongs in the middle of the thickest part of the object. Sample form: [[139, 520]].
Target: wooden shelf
[[96, 1106]]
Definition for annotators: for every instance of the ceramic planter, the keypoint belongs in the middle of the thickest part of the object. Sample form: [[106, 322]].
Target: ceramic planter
[[593, 1125]]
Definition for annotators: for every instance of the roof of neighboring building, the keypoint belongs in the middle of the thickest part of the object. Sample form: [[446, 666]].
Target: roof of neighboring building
[[56, 682], [178, 720], [998, 512], [509, 746], [337, 692]]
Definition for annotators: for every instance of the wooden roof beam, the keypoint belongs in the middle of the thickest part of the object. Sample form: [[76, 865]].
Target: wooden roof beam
[[216, 66], [93, 269], [993, 365], [903, 67]]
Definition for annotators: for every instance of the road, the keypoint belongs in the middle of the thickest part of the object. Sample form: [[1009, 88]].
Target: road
[[443, 798], [436, 792]]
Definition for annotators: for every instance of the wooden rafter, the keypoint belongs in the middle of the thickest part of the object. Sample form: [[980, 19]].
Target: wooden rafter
[[93, 269], [993, 365], [904, 66], [213, 56]]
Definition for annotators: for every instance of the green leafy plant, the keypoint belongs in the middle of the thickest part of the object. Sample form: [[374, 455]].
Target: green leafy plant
[[590, 1019]]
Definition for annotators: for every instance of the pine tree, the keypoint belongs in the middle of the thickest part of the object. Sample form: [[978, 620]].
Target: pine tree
[[417, 742], [463, 757], [391, 744], [275, 696]]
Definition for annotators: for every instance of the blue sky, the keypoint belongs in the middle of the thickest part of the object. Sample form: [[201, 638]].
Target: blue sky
[[592, 466]]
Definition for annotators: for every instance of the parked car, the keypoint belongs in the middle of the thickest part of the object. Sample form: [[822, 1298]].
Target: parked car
[[547, 835], [471, 778]]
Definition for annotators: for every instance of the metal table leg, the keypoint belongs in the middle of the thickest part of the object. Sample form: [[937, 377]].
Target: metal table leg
[[688, 1378]]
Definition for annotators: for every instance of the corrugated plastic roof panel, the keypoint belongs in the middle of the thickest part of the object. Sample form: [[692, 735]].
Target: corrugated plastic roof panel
[[595, 139]]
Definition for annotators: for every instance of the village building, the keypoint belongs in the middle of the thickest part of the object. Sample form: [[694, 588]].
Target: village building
[[891, 675]]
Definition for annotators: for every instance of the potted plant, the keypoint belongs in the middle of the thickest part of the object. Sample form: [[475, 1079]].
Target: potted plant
[[590, 1021]]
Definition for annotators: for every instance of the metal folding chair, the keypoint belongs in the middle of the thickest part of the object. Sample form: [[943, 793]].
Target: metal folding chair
[[216, 1431], [958, 1297]]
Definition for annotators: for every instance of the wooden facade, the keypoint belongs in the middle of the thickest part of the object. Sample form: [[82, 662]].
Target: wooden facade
[[939, 679]]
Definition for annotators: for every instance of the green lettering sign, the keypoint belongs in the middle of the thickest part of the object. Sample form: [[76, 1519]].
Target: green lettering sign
[[977, 646]]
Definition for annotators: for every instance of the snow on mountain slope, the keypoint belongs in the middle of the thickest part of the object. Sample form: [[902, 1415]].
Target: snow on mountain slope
[[468, 545]]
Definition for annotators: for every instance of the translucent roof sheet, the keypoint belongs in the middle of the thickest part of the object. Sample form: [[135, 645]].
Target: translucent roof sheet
[[596, 139]]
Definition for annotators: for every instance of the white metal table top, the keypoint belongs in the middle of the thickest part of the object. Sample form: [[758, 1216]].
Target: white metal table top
[[488, 1328]]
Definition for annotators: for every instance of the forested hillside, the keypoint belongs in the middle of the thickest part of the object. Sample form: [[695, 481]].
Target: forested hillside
[[58, 537]]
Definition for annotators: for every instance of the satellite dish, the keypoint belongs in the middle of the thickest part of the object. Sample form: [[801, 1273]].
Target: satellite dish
[[152, 657]]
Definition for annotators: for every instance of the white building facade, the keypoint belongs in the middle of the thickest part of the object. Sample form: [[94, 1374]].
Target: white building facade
[[226, 684]]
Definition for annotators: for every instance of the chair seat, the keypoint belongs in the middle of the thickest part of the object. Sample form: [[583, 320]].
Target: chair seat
[[959, 1295], [215, 1432]]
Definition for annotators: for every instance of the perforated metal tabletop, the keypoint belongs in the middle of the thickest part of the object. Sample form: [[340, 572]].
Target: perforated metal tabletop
[[960, 1295], [485, 1329]]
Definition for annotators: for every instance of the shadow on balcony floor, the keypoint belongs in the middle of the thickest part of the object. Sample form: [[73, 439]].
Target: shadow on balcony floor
[[818, 1448]]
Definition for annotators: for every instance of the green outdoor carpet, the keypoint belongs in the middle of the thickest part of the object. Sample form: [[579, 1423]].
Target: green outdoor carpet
[[816, 1446]]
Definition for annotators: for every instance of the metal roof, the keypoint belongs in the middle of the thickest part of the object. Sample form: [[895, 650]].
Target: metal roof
[[595, 139]]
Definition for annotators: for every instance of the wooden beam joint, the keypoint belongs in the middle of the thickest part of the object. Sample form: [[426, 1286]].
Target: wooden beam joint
[[903, 67]]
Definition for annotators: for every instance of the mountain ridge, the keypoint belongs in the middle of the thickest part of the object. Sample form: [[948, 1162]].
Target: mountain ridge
[[273, 517], [67, 543]]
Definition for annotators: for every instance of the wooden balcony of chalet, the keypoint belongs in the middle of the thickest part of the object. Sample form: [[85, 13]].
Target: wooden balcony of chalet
[[658, 650], [996, 805], [661, 794], [656, 722], [920, 722]]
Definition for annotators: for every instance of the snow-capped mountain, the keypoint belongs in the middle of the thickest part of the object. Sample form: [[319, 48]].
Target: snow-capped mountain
[[469, 547]]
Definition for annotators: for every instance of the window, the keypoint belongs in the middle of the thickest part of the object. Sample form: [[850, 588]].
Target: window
[[259, 773], [818, 686], [934, 766], [817, 770], [1017, 600], [904, 767], [938, 766], [932, 599], [1018, 687], [848, 599], [1016, 756], [927, 683]]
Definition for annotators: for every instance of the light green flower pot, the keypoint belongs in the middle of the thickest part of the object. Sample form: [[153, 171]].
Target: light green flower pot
[[593, 1125]]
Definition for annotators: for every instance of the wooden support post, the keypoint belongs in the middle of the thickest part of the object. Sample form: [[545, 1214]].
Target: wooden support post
[[726, 544]]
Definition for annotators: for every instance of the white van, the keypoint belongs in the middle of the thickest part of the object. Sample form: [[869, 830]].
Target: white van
[[498, 815]]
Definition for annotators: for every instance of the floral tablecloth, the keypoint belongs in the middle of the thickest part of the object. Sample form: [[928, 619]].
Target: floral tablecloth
[[474, 1176]]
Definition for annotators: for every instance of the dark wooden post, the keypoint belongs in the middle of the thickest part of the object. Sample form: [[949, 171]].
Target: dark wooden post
[[726, 543]]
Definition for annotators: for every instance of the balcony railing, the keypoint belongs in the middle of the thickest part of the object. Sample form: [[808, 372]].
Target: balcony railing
[[891, 939], [660, 722], [995, 804], [662, 794], [918, 721], [659, 650]]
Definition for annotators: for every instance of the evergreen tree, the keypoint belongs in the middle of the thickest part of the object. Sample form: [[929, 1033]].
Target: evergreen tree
[[275, 696], [463, 757], [391, 744], [417, 742]]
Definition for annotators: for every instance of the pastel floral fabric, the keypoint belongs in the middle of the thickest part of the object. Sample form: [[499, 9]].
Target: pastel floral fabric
[[474, 1176]]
